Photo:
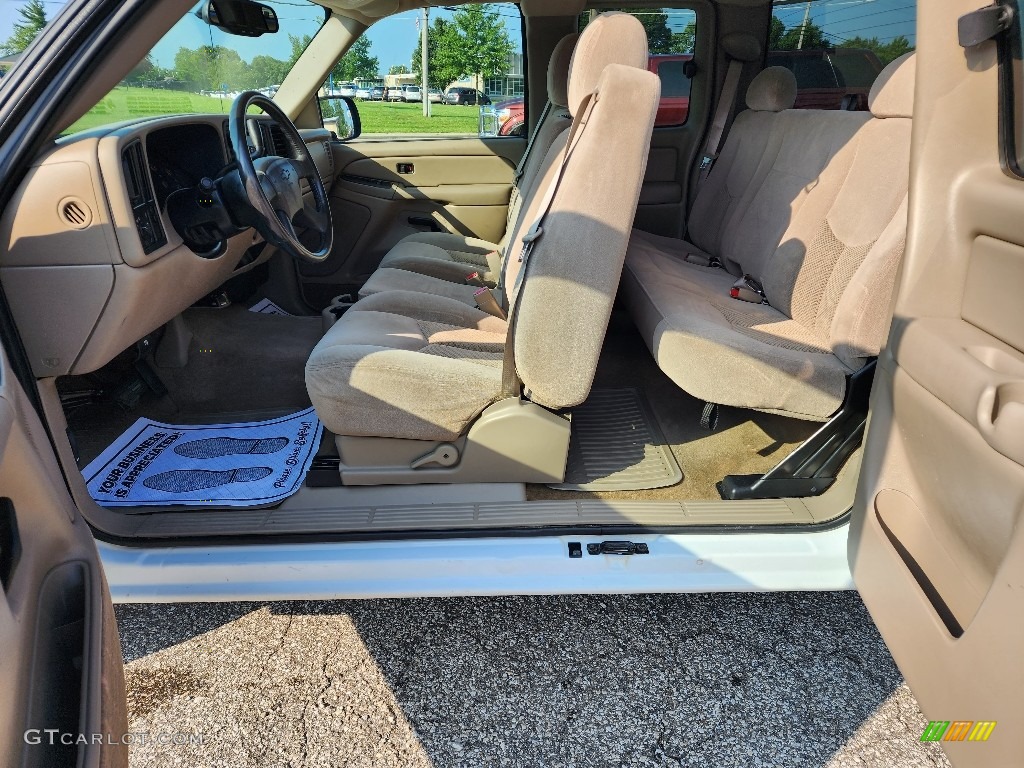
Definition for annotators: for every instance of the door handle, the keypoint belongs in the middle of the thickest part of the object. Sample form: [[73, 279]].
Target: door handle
[[1001, 419], [425, 221]]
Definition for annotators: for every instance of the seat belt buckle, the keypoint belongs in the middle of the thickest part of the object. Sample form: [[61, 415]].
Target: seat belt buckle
[[707, 161], [473, 278], [700, 259], [748, 289], [485, 300]]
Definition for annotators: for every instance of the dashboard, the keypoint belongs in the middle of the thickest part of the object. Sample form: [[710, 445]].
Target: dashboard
[[89, 258], [179, 156]]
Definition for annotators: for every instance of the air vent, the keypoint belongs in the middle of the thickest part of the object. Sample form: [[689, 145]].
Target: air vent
[[276, 143], [141, 198], [330, 159], [75, 213], [230, 153]]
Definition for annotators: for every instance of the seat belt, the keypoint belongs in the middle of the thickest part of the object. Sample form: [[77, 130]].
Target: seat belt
[[521, 168], [511, 384], [725, 104]]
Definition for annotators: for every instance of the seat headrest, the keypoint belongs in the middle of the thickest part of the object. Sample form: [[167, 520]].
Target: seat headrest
[[558, 70], [773, 90], [611, 38], [892, 94]]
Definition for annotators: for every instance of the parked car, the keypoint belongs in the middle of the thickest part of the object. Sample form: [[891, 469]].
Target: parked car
[[825, 77], [435, 96], [466, 96], [347, 89], [377, 93], [411, 93], [363, 93], [675, 86], [511, 117], [393, 94]]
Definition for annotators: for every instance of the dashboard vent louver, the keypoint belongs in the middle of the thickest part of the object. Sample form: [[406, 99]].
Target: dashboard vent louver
[[141, 198], [276, 142], [330, 159], [229, 152], [75, 213]]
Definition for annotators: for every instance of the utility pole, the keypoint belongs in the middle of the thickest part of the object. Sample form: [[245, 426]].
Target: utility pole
[[424, 79], [803, 26]]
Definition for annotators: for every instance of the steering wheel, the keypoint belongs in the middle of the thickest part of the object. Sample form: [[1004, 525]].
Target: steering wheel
[[272, 185]]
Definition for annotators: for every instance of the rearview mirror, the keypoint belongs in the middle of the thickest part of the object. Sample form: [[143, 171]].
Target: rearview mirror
[[240, 17], [340, 115]]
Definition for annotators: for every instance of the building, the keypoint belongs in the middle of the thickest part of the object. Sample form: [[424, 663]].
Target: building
[[512, 84], [507, 86]]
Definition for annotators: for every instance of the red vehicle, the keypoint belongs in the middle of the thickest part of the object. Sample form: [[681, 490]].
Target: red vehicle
[[675, 96], [824, 78], [675, 86]]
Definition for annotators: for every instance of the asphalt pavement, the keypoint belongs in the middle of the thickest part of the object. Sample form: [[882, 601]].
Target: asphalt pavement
[[799, 679]]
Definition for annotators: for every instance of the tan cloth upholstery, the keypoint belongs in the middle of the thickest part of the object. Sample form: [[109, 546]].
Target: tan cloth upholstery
[[611, 38], [406, 365], [451, 257], [773, 90], [558, 71], [815, 209], [892, 93], [410, 365]]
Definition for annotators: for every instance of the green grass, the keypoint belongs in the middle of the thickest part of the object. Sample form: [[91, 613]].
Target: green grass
[[384, 117], [377, 117], [134, 103]]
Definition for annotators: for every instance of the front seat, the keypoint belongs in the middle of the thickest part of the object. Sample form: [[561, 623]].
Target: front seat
[[438, 262], [415, 369]]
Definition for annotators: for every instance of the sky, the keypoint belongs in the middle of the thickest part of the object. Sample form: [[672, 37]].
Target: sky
[[393, 39]]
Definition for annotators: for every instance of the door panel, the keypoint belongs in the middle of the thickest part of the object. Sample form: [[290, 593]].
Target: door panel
[[385, 190], [937, 538], [61, 658]]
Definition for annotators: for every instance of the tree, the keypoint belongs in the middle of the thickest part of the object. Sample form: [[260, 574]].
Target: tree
[[885, 52], [398, 69], [442, 55], [776, 29], [805, 37], [484, 46], [33, 19], [143, 73], [210, 68], [357, 62], [684, 42], [265, 70]]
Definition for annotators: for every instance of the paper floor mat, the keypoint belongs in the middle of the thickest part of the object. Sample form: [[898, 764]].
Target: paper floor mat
[[236, 465]]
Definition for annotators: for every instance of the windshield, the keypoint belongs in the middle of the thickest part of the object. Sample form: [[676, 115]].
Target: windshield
[[199, 69]]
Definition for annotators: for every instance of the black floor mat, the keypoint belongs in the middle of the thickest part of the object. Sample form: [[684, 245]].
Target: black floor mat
[[616, 445]]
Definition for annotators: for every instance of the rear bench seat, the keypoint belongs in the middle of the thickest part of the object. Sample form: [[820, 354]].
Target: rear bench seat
[[813, 206]]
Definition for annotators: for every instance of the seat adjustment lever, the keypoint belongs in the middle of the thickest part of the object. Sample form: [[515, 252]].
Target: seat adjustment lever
[[444, 455]]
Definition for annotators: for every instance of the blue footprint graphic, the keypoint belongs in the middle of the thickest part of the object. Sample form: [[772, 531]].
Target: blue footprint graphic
[[215, 447], [188, 480]]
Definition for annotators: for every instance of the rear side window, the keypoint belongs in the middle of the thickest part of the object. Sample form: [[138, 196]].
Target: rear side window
[[837, 49], [671, 37]]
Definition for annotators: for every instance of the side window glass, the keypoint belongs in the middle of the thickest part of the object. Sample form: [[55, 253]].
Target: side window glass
[[671, 38], [1013, 93], [475, 80], [836, 50]]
